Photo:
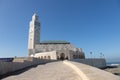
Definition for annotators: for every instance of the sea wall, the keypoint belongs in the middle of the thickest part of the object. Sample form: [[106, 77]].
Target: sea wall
[[19, 63], [96, 62]]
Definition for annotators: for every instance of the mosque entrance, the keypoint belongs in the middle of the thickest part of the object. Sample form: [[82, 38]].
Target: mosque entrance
[[62, 56]]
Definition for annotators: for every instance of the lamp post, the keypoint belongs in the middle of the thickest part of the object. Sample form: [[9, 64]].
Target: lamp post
[[91, 59], [91, 54], [101, 55]]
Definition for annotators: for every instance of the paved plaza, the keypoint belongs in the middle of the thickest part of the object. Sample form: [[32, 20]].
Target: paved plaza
[[63, 70], [49, 71]]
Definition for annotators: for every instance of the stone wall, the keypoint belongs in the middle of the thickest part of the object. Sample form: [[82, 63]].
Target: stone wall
[[52, 47], [56, 55], [19, 63], [46, 55], [96, 62]]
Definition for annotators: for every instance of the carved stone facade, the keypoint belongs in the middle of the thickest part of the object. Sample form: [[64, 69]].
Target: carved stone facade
[[50, 49]]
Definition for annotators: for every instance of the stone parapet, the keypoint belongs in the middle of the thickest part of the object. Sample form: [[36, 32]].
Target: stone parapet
[[96, 62], [87, 72], [20, 63]]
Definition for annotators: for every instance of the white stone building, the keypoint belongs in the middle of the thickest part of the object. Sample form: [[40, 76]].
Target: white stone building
[[50, 49]]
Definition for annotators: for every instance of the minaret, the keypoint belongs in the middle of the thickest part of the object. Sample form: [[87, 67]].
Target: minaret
[[34, 34]]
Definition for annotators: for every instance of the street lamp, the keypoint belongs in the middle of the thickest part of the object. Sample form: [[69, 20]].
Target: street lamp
[[91, 54], [101, 55], [91, 59]]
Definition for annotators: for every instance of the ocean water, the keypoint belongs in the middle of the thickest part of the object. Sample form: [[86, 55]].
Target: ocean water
[[113, 63]]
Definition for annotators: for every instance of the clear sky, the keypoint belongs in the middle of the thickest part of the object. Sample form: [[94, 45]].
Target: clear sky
[[93, 25]]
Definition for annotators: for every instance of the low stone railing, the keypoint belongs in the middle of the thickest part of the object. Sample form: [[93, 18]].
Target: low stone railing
[[18, 64]]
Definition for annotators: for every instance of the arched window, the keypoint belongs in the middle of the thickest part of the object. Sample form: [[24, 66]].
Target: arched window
[[44, 57], [49, 57], [41, 57], [62, 56], [73, 56], [58, 58]]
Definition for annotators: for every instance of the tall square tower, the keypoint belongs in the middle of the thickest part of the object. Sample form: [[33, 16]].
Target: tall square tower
[[34, 34]]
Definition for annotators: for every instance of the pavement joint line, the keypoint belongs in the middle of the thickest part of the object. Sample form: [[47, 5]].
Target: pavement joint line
[[76, 69]]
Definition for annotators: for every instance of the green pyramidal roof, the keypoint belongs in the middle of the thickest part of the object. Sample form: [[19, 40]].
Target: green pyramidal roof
[[55, 42]]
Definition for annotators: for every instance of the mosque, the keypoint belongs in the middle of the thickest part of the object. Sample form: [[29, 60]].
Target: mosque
[[55, 50]]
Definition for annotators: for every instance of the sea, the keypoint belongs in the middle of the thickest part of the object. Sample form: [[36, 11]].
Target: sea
[[117, 63]]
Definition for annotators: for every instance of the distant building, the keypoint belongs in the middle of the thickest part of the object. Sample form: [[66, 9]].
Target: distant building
[[50, 49]]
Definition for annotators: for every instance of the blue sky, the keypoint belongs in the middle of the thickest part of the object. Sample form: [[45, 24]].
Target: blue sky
[[93, 25]]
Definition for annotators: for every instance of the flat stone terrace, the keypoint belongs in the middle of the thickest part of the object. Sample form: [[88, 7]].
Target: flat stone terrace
[[64, 70]]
